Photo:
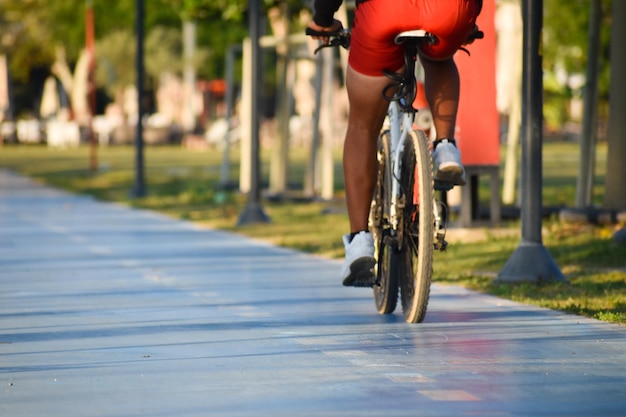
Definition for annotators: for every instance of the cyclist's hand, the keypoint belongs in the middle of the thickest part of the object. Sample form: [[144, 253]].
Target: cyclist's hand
[[335, 27]]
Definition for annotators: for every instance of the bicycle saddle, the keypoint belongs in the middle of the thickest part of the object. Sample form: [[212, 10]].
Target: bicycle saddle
[[414, 35]]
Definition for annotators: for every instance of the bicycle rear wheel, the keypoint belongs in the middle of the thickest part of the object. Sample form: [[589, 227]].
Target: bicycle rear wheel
[[386, 268], [416, 227]]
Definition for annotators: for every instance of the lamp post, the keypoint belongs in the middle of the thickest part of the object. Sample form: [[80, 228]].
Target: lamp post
[[531, 261]]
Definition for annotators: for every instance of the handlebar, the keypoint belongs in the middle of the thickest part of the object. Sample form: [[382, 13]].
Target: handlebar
[[342, 37]]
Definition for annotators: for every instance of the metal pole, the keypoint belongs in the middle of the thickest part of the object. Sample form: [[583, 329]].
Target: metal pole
[[531, 261], [532, 121], [253, 212], [139, 187]]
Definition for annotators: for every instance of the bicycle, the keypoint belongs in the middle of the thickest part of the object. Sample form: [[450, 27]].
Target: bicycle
[[406, 220]]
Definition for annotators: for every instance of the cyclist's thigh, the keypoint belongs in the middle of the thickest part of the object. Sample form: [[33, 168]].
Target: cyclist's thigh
[[376, 24], [365, 95], [451, 21]]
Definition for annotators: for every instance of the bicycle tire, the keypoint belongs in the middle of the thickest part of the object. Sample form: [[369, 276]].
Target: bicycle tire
[[416, 226], [386, 268]]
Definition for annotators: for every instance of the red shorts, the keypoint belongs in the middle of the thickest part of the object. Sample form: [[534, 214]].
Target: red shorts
[[377, 22]]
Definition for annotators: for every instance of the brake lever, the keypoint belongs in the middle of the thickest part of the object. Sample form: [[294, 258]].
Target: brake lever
[[338, 38], [333, 43]]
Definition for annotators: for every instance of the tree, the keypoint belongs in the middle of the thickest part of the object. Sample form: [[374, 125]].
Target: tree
[[116, 62], [615, 194], [34, 30], [28, 32], [565, 34]]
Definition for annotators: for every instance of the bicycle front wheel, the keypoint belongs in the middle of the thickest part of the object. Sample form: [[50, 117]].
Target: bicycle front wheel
[[416, 227]]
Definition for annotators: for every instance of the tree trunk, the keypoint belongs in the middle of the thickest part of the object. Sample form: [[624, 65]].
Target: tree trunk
[[615, 194], [62, 71], [279, 20], [5, 101], [189, 74], [584, 185]]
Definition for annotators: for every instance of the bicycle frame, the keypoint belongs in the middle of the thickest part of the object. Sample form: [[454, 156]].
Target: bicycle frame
[[400, 118], [400, 123]]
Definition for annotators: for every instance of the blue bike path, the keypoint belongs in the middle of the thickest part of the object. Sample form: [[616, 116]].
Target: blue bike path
[[111, 311]]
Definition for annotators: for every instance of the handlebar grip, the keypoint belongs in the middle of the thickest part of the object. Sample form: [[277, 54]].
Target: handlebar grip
[[478, 35]]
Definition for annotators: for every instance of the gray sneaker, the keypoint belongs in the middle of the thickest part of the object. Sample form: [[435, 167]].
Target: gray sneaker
[[448, 166], [357, 269]]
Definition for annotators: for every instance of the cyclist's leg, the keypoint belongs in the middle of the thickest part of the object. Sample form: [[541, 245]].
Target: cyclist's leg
[[371, 46], [442, 87], [451, 21], [367, 113], [372, 50]]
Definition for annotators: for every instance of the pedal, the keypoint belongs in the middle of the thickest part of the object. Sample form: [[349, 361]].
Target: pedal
[[390, 242], [441, 244], [443, 185], [363, 284]]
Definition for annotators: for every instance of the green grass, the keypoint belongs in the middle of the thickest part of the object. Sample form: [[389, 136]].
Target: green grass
[[593, 264], [185, 184]]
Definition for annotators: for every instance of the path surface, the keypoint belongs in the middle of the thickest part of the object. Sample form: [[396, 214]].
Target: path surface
[[109, 311]]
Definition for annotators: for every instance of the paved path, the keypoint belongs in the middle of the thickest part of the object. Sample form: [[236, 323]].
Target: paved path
[[108, 311]]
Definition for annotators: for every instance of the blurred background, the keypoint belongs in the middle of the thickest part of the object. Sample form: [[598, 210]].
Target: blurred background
[[68, 75]]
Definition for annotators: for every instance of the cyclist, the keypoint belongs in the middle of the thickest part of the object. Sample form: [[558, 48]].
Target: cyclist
[[372, 50]]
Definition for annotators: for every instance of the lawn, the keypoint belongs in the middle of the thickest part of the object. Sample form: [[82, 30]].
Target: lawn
[[186, 184]]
